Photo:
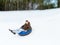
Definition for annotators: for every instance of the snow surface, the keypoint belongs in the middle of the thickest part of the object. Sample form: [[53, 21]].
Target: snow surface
[[45, 24]]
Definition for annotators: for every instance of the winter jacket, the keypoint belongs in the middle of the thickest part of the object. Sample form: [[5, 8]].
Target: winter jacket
[[27, 26]]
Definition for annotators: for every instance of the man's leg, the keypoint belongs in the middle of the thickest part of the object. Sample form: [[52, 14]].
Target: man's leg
[[16, 31]]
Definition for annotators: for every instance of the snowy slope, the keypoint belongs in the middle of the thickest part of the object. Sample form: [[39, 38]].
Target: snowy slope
[[45, 24]]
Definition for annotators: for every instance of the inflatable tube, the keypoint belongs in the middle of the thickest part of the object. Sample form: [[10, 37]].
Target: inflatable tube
[[23, 33]]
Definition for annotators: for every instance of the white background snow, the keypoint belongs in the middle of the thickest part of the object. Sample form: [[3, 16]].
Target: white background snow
[[45, 25]]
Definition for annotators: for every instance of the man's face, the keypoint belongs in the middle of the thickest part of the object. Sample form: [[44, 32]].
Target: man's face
[[26, 22]]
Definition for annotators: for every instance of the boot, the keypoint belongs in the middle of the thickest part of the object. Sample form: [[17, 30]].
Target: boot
[[12, 31]]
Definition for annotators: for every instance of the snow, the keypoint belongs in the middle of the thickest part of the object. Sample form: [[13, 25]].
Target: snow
[[45, 25]]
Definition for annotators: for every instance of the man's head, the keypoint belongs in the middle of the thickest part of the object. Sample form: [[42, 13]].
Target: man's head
[[26, 22]]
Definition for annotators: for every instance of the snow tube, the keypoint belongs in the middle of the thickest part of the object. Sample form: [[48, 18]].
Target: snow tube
[[23, 33]]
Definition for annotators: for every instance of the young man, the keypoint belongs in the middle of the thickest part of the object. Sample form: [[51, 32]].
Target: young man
[[24, 30]]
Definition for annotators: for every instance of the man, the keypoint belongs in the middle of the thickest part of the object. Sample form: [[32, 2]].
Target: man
[[26, 26], [24, 30]]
